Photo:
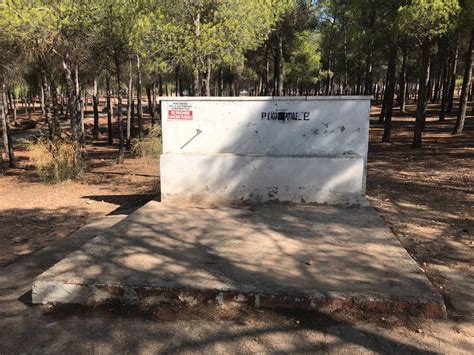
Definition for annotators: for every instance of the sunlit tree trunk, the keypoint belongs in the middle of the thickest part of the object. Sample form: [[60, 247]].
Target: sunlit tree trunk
[[7, 141], [139, 100], [109, 112], [129, 107], [452, 84], [95, 104], [459, 126]]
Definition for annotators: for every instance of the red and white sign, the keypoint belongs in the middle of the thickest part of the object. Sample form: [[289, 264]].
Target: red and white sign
[[182, 115]]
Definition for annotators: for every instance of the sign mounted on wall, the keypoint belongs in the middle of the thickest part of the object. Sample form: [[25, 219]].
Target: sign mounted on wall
[[180, 111]]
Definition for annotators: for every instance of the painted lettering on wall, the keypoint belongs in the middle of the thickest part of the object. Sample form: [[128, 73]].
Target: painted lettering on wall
[[285, 116]]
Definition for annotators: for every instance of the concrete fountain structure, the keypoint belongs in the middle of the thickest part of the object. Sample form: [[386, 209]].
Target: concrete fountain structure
[[262, 204]]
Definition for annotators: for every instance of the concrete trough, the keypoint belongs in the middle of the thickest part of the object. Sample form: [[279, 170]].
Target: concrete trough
[[306, 257]]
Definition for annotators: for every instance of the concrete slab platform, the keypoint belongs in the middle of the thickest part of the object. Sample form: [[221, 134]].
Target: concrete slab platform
[[310, 257]]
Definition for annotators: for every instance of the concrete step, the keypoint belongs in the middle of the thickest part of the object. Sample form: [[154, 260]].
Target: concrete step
[[308, 257]]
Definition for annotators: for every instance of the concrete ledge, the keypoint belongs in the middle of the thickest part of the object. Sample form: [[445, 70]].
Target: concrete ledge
[[306, 257], [96, 294], [223, 178]]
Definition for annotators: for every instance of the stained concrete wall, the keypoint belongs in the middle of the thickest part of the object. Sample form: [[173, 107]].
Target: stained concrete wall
[[298, 149]]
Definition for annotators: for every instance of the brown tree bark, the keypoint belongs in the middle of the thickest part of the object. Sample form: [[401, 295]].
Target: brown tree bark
[[403, 81], [389, 93], [95, 104], [128, 135], [422, 94], [452, 84], [278, 67], [109, 112], [139, 100], [118, 77], [459, 126], [7, 141]]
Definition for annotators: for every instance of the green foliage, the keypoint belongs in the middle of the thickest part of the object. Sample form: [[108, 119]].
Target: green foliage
[[56, 161], [204, 33], [304, 63], [425, 20]]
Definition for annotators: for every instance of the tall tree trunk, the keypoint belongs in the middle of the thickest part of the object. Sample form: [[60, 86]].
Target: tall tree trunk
[[389, 92], [118, 74], [79, 105], [422, 94], [452, 84], [403, 81], [72, 100], [176, 83], [109, 112], [95, 104], [57, 126], [7, 141], [151, 103], [459, 126], [12, 100], [47, 106], [445, 91], [208, 80], [160, 84], [139, 100], [129, 109], [278, 67], [385, 96], [42, 102]]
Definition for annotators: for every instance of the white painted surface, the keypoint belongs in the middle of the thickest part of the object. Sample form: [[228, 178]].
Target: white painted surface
[[298, 149], [235, 125], [229, 177]]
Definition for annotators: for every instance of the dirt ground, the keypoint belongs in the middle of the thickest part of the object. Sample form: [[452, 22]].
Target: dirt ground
[[425, 196]]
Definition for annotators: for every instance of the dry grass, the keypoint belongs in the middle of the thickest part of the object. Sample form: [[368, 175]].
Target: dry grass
[[56, 161], [151, 147]]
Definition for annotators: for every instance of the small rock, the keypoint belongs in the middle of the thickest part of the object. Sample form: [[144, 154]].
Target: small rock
[[419, 330], [297, 322], [309, 262]]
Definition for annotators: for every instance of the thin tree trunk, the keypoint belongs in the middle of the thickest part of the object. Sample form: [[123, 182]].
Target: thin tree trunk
[[72, 101], [139, 100], [95, 103], [402, 83], [208, 80], [7, 141], [42, 102], [83, 131], [57, 126], [459, 126], [452, 84], [151, 104], [444, 93], [129, 109], [121, 152], [47, 107], [422, 94], [389, 93], [109, 112], [278, 68]]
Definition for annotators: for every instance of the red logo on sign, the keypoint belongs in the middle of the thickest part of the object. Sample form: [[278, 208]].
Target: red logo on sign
[[184, 115]]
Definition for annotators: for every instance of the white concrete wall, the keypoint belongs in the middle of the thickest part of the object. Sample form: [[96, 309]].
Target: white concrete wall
[[323, 125], [222, 178], [311, 149]]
